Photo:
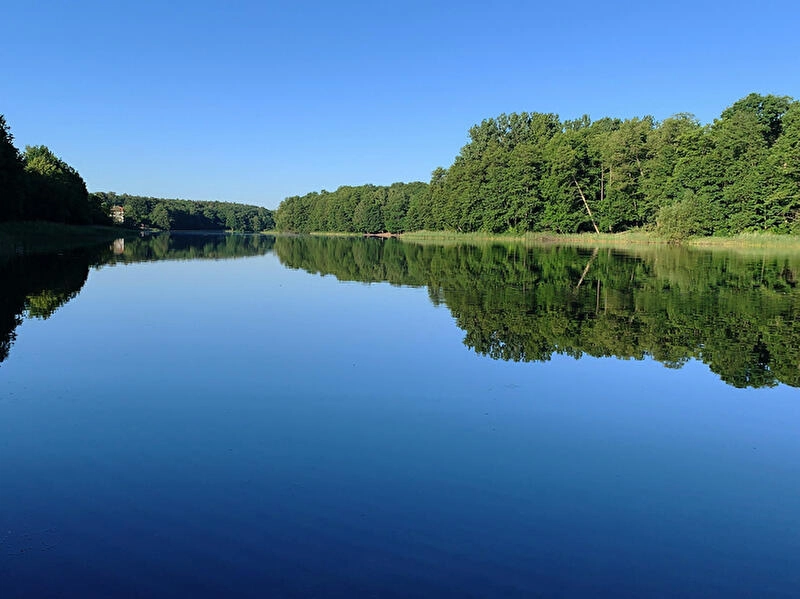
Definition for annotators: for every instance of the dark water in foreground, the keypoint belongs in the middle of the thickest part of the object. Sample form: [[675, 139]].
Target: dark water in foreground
[[497, 421]]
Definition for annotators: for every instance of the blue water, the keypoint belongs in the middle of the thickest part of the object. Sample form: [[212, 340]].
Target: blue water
[[218, 428]]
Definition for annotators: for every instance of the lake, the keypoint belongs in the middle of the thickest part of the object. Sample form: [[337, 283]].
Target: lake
[[218, 416]]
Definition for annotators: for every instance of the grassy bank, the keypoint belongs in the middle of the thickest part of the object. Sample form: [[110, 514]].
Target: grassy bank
[[749, 240], [583, 239], [628, 238], [44, 237]]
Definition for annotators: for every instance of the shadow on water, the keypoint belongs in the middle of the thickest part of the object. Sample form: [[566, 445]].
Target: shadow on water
[[36, 285], [739, 314]]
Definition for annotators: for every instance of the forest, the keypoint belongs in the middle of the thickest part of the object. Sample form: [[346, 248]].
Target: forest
[[37, 185], [192, 215], [352, 209], [534, 172]]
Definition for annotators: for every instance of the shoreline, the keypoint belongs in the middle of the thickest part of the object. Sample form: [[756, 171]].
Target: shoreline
[[624, 239], [41, 237]]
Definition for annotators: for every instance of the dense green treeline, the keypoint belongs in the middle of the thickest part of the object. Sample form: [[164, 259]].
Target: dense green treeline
[[354, 209], [738, 314], [188, 215], [38, 185], [534, 172]]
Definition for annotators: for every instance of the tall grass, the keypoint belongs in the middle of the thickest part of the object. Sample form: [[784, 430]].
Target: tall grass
[[627, 238], [589, 239], [750, 240]]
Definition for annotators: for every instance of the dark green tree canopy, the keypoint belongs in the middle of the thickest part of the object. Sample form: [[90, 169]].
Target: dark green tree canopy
[[12, 176], [38, 185], [55, 190], [187, 215], [363, 209], [533, 172]]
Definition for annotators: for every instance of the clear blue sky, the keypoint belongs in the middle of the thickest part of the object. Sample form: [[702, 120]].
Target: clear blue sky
[[253, 101]]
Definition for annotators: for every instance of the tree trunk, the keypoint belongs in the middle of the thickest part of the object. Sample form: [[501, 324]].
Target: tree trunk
[[586, 270], [585, 203]]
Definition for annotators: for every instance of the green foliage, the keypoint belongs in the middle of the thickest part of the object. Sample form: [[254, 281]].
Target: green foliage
[[362, 209], [782, 190], [686, 218], [12, 176], [188, 215], [99, 210], [519, 172], [55, 191], [160, 217], [38, 185], [533, 172]]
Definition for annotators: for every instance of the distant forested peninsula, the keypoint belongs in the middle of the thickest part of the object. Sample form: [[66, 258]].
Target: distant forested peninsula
[[173, 215], [534, 172], [36, 185]]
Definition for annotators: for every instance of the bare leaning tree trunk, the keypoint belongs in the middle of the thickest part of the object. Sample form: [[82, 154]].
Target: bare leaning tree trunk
[[585, 203], [586, 270]]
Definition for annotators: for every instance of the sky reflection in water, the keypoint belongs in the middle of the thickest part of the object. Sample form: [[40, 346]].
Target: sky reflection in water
[[236, 427]]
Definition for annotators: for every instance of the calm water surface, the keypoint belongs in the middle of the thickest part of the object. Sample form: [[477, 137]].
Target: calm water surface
[[292, 417]]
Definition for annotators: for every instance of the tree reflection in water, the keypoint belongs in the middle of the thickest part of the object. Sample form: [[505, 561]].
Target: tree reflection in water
[[36, 285], [739, 313]]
